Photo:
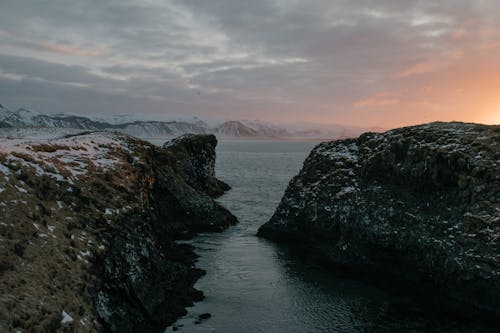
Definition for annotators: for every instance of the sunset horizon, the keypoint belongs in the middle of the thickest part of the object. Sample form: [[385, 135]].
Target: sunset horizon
[[385, 64]]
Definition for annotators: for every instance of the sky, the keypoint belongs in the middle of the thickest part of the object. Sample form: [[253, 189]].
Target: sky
[[384, 63]]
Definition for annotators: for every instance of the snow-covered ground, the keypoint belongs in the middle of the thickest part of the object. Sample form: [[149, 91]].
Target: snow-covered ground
[[63, 154]]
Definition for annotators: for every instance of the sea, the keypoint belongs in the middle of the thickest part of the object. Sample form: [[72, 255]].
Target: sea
[[254, 285]]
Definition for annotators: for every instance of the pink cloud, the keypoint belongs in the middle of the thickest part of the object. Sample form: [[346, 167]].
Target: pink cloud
[[455, 54], [489, 32], [379, 99], [417, 69], [54, 47], [459, 34], [489, 46], [69, 50]]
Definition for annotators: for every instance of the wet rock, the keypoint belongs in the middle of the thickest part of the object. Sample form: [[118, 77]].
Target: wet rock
[[415, 208], [204, 316]]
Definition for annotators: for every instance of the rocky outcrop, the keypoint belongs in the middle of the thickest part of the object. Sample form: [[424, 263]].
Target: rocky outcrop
[[88, 223], [197, 162], [416, 208]]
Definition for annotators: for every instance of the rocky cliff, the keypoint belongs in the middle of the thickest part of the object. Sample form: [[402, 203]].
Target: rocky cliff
[[417, 208], [197, 162], [88, 223]]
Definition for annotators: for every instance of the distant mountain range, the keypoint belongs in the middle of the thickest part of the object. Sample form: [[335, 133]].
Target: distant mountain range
[[163, 129]]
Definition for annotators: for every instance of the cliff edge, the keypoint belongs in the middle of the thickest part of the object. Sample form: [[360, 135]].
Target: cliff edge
[[88, 223], [416, 208]]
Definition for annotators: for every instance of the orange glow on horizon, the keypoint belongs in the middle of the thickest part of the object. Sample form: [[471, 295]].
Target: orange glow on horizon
[[465, 88], [495, 117]]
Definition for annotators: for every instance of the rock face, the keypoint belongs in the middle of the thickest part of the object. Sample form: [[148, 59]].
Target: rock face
[[197, 162], [88, 223], [416, 207]]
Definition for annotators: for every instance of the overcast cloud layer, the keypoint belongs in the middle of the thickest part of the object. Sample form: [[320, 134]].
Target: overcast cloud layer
[[379, 62]]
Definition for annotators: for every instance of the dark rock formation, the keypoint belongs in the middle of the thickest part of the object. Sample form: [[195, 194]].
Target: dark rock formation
[[196, 162], [416, 208], [88, 228], [146, 278]]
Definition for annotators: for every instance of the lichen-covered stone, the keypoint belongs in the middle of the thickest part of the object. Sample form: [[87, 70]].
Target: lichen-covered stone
[[417, 207]]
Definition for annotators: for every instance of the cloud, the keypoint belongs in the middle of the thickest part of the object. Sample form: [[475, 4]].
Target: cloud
[[490, 46], [378, 100], [52, 47], [419, 68], [69, 50], [262, 58], [48, 71], [489, 32]]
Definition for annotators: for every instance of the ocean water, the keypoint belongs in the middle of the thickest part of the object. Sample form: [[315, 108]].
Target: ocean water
[[254, 285]]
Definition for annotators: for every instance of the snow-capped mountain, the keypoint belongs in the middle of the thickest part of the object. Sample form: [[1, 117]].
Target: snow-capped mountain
[[158, 129], [28, 118], [267, 129], [146, 129], [235, 129], [137, 126], [9, 118]]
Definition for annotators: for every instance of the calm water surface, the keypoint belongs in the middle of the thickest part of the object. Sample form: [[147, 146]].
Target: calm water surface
[[253, 285]]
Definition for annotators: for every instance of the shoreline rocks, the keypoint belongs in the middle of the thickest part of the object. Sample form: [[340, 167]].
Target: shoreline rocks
[[417, 208], [88, 223]]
